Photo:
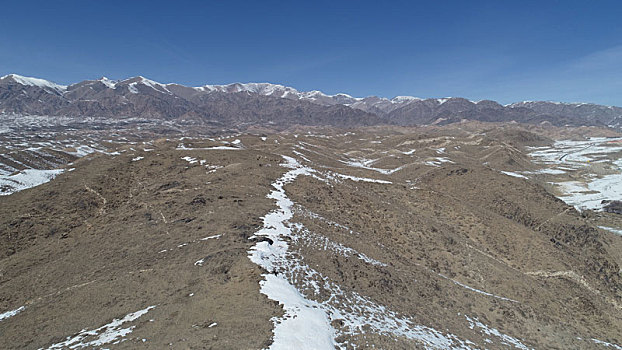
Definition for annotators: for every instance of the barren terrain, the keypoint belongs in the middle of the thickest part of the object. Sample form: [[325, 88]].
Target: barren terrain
[[395, 238]]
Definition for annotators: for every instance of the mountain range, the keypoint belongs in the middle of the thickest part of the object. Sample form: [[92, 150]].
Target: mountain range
[[277, 106]]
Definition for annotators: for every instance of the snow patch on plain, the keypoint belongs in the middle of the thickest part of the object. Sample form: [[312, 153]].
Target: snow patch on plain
[[569, 155], [25, 179], [590, 194], [505, 339], [190, 159]]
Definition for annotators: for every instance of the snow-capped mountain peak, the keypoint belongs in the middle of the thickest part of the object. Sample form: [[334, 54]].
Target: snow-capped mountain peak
[[401, 99], [29, 81], [131, 84], [266, 89], [111, 84], [535, 103], [277, 90]]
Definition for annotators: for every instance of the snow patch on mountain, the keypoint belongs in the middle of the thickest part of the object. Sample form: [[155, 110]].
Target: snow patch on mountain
[[277, 90], [134, 82], [154, 84]]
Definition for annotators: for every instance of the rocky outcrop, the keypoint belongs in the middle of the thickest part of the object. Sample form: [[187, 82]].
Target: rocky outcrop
[[613, 207]]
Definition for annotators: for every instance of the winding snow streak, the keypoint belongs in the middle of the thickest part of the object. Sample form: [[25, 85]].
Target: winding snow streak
[[108, 333], [302, 211], [477, 290], [331, 175], [437, 161], [324, 243], [5, 315], [363, 179], [505, 339], [509, 173], [290, 281], [302, 156], [193, 241], [604, 343], [210, 237], [182, 147], [611, 229], [365, 164]]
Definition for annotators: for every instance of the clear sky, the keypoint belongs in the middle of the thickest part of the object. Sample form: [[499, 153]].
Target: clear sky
[[502, 50]]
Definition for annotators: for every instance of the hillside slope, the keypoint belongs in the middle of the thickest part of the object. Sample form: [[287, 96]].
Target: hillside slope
[[394, 239]]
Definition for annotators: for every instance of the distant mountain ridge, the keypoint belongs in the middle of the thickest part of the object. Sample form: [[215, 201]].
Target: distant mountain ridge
[[277, 105]]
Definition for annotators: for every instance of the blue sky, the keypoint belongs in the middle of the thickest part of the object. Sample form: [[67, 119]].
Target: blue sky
[[502, 50]]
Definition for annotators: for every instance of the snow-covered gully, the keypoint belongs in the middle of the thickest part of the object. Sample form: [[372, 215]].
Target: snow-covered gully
[[306, 323]]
